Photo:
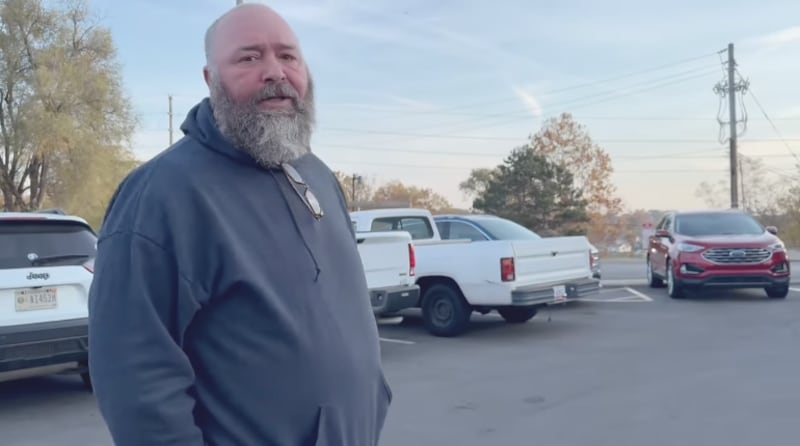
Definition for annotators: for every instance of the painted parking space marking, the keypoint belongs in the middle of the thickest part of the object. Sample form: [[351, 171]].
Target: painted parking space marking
[[397, 341], [795, 289], [639, 294], [629, 295]]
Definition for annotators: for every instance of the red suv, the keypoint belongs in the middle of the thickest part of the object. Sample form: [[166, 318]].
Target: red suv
[[717, 249]]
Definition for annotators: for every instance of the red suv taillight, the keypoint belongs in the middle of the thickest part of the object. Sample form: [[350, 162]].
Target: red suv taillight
[[89, 265], [412, 260], [507, 270]]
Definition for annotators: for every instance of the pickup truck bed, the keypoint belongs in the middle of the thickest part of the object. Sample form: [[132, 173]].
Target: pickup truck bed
[[388, 259]]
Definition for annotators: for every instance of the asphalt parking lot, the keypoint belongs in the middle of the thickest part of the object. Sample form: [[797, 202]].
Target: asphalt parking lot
[[720, 369], [630, 367]]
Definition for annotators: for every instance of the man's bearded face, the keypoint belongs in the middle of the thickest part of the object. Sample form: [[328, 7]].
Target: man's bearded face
[[270, 136]]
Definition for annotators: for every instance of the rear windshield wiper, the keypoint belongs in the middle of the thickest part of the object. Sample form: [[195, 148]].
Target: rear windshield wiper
[[39, 261]]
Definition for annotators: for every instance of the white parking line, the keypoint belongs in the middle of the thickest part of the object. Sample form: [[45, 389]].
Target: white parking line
[[639, 294], [591, 299], [795, 289], [398, 341]]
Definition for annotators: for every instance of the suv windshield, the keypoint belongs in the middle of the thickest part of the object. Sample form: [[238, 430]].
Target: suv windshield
[[53, 242], [698, 225], [502, 229]]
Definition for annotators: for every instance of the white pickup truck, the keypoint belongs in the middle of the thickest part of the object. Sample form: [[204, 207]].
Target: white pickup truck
[[457, 277], [388, 259]]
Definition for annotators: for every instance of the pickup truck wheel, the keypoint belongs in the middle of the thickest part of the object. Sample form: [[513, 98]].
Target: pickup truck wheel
[[779, 292], [85, 376], [517, 315], [444, 311], [87, 381]]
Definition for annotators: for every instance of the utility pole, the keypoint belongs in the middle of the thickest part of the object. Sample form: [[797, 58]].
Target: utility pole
[[354, 178], [732, 100], [741, 181], [729, 87], [170, 119]]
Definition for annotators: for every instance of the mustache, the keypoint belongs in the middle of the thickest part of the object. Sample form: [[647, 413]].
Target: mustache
[[277, 90]]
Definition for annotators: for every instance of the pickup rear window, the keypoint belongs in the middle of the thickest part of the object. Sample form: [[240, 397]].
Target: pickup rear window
[[19, 238], [418, 227]]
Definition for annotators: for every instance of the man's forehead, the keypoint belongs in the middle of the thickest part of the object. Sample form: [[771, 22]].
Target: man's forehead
[[258, 27]]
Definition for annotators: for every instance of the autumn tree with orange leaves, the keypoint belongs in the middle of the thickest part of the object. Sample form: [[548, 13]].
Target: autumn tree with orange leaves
[[397, 192], [567, 143]]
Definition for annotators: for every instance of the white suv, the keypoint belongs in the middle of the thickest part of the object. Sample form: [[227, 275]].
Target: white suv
[[46, 270]]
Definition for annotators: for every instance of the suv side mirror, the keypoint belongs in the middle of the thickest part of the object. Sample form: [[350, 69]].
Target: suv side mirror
[[662, 233], [772, 230]]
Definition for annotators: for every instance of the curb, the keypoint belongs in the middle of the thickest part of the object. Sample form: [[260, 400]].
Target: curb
[[643, 282]]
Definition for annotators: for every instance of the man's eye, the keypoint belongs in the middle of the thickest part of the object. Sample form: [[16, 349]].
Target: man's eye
[[248, 58], [288, 57]]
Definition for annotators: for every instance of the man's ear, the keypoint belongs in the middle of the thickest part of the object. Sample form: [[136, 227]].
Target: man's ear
[[207, 75]]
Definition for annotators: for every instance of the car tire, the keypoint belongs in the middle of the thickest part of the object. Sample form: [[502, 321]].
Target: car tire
[[778, 292], [517, 315], [652, 280], [674, 287], [87, 381], [444, 311]]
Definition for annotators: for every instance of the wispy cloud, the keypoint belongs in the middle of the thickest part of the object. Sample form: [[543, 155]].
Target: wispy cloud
[[377, 25], [791, 112], [530, 101], [776, 40]]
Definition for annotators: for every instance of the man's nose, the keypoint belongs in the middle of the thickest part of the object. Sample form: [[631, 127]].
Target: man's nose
[[272, 70]]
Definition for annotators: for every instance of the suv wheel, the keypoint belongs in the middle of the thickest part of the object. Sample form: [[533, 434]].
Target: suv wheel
[[674, 287], [652, 280], [778, 292]]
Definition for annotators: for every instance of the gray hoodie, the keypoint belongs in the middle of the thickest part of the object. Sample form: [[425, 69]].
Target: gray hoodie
[[223, 313]]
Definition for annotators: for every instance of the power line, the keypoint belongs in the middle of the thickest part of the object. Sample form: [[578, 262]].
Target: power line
[[774, 127], [508, 138], [588, 84], [701, 70], [573, 104], [495, 155], [431, 166]]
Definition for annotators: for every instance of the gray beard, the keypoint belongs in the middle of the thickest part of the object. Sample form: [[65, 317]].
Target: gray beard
[[269, 137]]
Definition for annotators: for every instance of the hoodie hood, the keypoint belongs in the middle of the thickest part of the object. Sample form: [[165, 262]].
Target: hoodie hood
[[201, 126]]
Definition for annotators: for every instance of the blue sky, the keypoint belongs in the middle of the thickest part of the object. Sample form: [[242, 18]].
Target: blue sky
[[470, 80]]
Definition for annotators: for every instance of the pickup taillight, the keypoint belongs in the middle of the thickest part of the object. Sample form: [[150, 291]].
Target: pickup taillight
[[89, 266], [591, 259], [507, 270], [412, 260]]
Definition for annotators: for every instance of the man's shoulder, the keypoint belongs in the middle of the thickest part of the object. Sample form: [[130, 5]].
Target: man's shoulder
[[153, 188]]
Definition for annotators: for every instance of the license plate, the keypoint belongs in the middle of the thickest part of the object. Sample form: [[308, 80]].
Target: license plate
[[560, 293], [34, 300]]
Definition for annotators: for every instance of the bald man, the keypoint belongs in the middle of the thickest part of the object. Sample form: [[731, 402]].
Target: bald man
[[229, 304]]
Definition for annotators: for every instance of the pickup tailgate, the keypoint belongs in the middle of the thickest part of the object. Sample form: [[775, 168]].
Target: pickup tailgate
[[552, 259], [386, 258]]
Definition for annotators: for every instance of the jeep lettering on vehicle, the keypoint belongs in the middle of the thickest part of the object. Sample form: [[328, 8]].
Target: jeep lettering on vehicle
[[43, 276]]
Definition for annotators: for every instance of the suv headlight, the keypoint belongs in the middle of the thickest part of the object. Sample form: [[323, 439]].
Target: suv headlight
[[688, 247], [777, 247]]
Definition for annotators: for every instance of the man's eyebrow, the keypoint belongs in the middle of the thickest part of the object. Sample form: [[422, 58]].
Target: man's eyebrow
[[278, 46], [250, 48], [286, 46]]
